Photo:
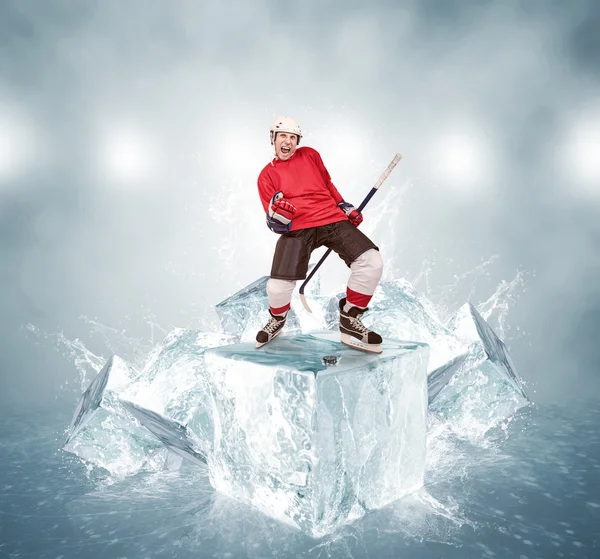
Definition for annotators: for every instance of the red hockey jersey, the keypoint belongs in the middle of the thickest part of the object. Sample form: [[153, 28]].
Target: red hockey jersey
[[306, 183]]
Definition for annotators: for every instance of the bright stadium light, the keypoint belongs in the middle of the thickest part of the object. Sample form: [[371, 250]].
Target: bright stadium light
[[127, 156], [582, 157], [461, 158], [17, 142]]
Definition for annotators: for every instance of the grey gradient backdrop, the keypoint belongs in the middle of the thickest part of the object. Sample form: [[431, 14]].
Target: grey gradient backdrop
[[196, 84]]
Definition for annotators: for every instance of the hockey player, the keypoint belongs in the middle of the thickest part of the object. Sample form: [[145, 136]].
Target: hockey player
[[304, 207]]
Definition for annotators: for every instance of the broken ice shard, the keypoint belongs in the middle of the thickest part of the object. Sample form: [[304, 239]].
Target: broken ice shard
[[437, 380], [485, 384], [243, 313], [169, 432], [312, 443], [114, 374], [180, 345], [103, 433], [172, 382], [399, 312]]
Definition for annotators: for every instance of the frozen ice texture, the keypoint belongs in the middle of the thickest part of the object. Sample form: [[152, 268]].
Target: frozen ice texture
[[311, 444], [240, 308], [440, 378], [170, 385], [315, 445], [485, 384], [92, 397], [399, 311], [244, 313], [115, 374], [169, 432], [103, 433], [172, 381]]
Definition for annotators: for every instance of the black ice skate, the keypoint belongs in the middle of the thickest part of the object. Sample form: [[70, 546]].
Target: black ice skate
[[271, 329], [354, 333]]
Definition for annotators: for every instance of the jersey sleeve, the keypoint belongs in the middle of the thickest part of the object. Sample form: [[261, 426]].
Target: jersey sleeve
[[266, 189], [316, 157]]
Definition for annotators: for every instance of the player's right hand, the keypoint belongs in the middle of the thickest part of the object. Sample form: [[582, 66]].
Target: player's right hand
[[279, 205], [279, 216]]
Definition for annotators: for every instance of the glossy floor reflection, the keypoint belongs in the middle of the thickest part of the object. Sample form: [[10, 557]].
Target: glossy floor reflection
[[533, 494]]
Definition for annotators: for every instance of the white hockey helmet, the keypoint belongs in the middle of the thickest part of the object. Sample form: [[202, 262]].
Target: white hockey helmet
[[285, 124]]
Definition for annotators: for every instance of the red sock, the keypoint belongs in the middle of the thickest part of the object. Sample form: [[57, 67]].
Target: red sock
[[280, 310], [357, 299]]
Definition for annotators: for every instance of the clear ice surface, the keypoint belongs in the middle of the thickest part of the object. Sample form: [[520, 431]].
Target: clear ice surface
[[317, 445]]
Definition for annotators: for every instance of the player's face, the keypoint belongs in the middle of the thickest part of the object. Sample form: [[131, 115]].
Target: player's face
[[285, 145]]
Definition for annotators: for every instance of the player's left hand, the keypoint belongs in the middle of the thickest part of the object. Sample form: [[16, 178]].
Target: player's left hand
[[354, 216]]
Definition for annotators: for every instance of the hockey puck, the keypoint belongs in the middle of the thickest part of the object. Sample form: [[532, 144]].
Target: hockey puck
[[330, 360]]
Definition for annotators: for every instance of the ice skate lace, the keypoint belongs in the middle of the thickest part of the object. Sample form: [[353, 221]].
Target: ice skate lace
[[271, 325], [358, 325]]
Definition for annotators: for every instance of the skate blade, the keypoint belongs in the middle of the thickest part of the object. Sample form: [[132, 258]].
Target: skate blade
[[260, 344], [352, 342]]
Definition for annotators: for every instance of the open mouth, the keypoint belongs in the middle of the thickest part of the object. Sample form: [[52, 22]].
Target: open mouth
[[285, 151]]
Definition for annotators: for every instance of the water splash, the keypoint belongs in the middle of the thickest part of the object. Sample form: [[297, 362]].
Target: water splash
[[495, 309], [87, 364]]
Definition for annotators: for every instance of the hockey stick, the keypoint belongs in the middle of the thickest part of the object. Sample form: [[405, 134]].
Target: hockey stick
[[384, 176]]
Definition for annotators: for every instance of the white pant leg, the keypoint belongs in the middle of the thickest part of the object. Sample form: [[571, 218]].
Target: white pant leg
[[279, 293], [366, 271]]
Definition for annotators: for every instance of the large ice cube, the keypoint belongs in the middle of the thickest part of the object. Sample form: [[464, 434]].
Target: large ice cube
[[312, 444], [485, 384], [103, 433]]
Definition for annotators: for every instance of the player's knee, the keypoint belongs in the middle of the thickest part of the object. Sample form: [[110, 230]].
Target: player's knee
[[377, 261], [371, 260]]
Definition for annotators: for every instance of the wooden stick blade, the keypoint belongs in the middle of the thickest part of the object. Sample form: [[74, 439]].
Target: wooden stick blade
[[304, 303]]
